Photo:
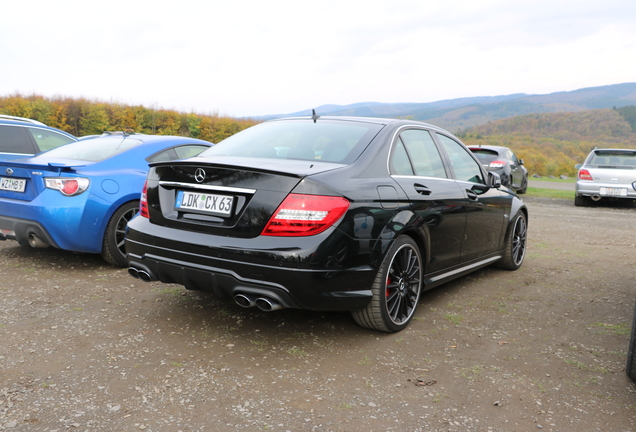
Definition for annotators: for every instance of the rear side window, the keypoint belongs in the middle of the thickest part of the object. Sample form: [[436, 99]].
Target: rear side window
[[415, 153], [13, 139], [325, 140], [485, 156], [174, 153], [47, 139]]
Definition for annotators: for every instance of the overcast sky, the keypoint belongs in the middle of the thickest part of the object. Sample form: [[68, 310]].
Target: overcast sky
[[244, 58]]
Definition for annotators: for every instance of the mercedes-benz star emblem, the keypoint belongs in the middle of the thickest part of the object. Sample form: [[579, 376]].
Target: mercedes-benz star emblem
[[9, 171], [199, 175]]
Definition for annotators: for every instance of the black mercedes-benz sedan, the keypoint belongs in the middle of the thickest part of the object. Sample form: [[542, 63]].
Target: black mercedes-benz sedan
[[326, 213]]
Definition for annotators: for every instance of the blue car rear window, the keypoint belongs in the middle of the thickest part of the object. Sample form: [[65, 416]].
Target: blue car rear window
[[325, 140], [94, 150]]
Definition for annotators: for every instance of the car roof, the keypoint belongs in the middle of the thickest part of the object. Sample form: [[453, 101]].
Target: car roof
[[373, 120], [24, 122], [9, 119]]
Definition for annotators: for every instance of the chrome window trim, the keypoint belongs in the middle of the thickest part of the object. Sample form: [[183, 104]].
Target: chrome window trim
[[207, 187]]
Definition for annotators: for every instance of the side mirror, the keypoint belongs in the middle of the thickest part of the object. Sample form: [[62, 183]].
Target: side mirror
[[494, 181], [520, 161]]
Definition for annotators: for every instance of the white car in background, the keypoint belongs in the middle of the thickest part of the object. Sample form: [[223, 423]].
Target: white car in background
[[606, 174]]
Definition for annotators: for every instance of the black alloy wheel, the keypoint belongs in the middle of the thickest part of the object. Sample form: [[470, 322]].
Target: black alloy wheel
[[396, 289], [114, 248], [516, 239]]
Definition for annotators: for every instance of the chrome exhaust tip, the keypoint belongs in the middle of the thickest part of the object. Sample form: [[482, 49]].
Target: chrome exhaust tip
[[36, 242], [139, 274], [267, 304], [244, 300], [595, 197], [144, 276]]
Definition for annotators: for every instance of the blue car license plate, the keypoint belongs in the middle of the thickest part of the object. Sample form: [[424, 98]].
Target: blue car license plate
[[14, 185], [204, 202]]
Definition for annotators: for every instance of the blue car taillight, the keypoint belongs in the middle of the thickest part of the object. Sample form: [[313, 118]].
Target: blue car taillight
[[69, 186]]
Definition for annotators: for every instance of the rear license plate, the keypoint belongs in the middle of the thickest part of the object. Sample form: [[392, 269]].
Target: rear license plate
[[204, 202], [10, 184], [610, 191]]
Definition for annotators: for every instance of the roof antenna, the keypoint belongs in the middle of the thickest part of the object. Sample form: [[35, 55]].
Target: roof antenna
[[314, 116]]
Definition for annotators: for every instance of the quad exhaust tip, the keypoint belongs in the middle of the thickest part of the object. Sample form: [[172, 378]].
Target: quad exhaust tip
[[263, 303], [139, 274]]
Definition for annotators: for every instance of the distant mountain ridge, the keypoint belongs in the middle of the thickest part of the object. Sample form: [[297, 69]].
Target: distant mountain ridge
[[460, 114]]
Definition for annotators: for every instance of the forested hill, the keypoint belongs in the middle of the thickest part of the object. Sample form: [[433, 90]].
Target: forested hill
[[460, 114], [552, 143]]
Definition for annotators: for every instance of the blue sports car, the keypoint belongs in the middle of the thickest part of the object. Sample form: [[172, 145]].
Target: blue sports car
[[80, 196]]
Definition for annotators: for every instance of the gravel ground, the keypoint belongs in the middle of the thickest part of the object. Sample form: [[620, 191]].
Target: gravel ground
[[85, 347]]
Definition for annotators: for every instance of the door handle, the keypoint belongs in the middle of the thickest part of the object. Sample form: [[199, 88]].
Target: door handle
[[421, 189]]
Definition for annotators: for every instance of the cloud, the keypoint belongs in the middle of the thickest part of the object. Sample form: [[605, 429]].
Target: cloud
[[254, 57]]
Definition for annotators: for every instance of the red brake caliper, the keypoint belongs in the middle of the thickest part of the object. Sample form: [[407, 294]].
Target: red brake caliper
[[388, 281]]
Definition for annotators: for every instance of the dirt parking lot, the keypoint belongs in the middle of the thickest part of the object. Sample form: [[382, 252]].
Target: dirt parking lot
[[85, 347]]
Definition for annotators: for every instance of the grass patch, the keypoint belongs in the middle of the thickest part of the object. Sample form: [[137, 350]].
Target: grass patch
[[549, 193], [615, 329], [297, 352], [555, 180], [471, 373], [454, 318], [365, 361]]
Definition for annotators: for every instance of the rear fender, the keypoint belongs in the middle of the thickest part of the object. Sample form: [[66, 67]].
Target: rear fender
[[404, 222]]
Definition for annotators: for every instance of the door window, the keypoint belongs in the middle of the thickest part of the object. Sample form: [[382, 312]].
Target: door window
[[465, 167], [13, 140]]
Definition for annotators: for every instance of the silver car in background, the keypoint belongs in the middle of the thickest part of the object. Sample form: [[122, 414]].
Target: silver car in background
[[606, 174]]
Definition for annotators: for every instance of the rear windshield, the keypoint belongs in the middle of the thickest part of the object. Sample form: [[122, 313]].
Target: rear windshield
[[93, 150], [484, 156], [614, 158], [325, 140]]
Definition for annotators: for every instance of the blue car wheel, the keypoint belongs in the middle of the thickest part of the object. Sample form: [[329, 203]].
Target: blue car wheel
[[114, 250]]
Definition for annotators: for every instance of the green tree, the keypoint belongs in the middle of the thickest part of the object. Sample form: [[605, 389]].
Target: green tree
[[94, 119]]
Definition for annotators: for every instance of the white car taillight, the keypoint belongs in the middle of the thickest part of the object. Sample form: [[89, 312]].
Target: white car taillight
[[68, 186]]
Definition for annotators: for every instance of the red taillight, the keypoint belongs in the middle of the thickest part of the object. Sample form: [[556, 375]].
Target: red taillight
[[305, 215], [143, 202], [497, 164], [585, 175]]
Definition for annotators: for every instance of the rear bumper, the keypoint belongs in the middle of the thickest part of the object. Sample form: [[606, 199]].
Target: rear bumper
[[293, 277], [23, 231], [602, 190]]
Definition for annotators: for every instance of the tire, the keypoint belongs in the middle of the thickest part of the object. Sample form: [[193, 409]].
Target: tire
[[396, 289], [580, 201], [516, 238], [113, 246], [630, 369]]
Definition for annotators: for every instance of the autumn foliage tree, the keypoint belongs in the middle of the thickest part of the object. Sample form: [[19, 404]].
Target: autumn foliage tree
[[552, 143], [82, 117]]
